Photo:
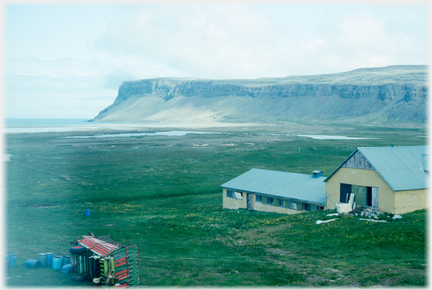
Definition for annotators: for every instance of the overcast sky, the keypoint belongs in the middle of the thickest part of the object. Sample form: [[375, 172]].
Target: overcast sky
[[67, 61]]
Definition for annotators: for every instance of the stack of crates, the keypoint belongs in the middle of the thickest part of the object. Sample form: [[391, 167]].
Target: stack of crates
[[108, 263]]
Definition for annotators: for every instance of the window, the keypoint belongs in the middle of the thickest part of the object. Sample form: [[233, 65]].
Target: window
[[258, 198], [317, 207], [281, 202], [270, 200], [238, 195], [230, 193], [306, 207], [293, 205]]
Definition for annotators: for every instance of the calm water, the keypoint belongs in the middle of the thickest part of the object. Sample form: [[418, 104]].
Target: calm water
[[33, 122], [30, 125], [33, 125], [168, 133], [328, 137]]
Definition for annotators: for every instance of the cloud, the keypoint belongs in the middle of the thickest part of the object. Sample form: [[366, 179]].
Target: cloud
[[244, 41], [200, 39]]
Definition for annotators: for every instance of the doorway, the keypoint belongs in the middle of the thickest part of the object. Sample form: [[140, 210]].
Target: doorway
[[368, 196], [345, 192], [249, 201], [372, 196]]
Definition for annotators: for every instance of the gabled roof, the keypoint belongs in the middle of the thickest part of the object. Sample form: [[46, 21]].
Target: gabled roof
[[401, 167], [296, 186], [97, 246]]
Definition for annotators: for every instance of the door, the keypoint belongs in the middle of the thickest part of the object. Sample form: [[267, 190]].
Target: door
[[249, 201], [375, 197], [345, 191], [368, 196]]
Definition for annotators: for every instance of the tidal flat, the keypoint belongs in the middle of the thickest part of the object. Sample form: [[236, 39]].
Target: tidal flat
[[163, 193]]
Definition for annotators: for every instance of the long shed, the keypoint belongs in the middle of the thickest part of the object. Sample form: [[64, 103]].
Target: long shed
[[275, 191]]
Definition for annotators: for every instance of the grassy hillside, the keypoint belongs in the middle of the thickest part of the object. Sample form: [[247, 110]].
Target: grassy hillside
[[163, 193]]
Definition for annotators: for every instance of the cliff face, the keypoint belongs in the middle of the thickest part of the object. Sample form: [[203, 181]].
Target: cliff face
[[396, 93]]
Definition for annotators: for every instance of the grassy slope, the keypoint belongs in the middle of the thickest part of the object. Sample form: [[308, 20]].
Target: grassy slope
[[163, 194], [233, 108]]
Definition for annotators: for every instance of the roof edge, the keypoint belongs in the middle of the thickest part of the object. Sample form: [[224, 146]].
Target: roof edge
[[278, 196], [340, 165]]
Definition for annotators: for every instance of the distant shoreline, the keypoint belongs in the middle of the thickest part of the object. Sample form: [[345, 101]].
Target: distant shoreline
[[82, 125]]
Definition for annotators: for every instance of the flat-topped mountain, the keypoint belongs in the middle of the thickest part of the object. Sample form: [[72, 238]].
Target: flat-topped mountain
[[378, 95]]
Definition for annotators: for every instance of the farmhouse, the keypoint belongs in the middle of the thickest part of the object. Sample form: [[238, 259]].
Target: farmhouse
[[275, 191], [392, 179]]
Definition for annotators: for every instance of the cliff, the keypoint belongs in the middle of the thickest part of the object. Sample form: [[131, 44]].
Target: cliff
[[373, 95]]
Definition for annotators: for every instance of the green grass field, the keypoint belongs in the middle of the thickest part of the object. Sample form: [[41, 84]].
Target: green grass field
[[163, 194]]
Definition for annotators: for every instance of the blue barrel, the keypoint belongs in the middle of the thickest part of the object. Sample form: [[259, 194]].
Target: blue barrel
[[34, 264], [57, 262], [11, 258], [49, 257], [77, 250], [41, 257], [87, 212], [65, 260], [67, 268]]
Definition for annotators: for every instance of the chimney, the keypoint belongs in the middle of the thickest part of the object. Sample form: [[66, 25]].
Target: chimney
[[317, 173], [425, 163]]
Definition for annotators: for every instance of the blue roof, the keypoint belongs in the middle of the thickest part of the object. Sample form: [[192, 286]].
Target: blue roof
[[296, 186], [401, 167]]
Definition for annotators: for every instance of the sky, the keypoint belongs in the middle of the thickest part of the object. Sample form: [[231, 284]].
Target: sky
[[68, 60]]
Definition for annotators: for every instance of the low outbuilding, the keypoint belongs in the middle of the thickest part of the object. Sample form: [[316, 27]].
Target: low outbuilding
[[275, 191]]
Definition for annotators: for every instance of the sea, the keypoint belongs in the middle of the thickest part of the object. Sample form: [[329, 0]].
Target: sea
[[38, 125], [32, 122], [34, 125]]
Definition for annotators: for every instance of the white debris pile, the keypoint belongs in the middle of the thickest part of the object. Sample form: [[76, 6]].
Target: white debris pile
[[364, 214], [370, 212]]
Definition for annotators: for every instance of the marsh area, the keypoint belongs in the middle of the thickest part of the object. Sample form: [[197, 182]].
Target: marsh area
[[163, 193]]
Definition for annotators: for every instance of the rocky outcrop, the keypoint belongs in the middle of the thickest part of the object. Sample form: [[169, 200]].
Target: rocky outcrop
[[390, 94]]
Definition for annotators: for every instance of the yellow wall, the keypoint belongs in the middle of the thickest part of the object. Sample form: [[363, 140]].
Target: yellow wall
[[362, 177], [411, 200], [232, 203], [272, 208]]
